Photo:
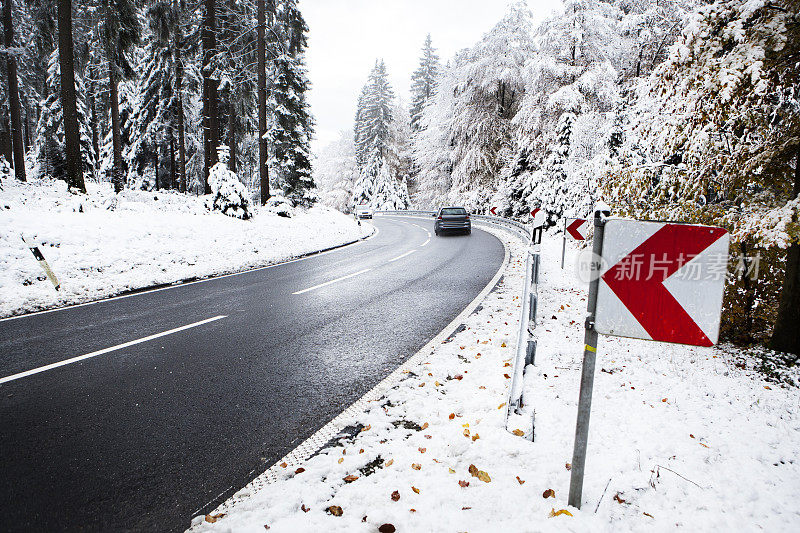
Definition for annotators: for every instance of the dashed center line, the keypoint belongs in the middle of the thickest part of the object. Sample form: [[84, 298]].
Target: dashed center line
[[106, 350], [401, 256], [332, 281]]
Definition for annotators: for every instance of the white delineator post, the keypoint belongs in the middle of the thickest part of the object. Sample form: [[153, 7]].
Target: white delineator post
[[589, 356]]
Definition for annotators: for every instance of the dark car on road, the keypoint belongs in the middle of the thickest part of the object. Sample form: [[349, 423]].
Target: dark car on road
[[452, 219]]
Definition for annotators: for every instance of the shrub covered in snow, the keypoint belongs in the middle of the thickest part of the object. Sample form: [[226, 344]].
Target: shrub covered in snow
[[228, 194], [5, 170], [280, 205]]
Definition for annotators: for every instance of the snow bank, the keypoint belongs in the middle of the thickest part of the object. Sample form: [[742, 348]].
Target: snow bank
[[679, 435], [101, 244]]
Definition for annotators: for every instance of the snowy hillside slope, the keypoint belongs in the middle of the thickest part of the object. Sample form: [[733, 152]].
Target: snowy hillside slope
[[100, 244], [679, 438]]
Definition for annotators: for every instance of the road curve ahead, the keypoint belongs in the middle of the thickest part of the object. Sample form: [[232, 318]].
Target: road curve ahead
[[140, 412]]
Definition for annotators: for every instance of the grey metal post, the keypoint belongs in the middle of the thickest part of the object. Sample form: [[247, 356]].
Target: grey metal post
[[587, 374], [563, 243]]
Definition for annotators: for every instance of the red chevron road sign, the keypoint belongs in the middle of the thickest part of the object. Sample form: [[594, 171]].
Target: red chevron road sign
[[492, 210], [662, 281], [576, 228]]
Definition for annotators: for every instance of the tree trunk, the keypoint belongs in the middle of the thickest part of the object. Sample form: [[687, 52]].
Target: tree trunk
[[179, 100], [262, 104], [232, 133], [172, 179], [785, 335], [210, 97], [116, 137], [69, 104], [6, 148], [13, 95], [93, 112], [27, 131]]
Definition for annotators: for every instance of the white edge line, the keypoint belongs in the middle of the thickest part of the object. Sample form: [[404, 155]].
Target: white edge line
[[333, 281], [401, 256], [105, 350], [178, 284], [426, 242], [316, 441]]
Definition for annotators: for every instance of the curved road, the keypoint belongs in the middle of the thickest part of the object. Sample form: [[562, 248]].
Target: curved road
[[146, 435]]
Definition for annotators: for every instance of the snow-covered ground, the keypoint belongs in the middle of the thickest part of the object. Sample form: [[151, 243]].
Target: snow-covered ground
[[680, 437], [101, 244]]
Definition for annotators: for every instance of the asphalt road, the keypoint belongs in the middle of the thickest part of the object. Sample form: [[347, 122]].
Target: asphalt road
[[148, 435]]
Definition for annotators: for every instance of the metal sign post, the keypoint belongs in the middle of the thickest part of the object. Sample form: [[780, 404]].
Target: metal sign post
[[587, 374], [563, 243]]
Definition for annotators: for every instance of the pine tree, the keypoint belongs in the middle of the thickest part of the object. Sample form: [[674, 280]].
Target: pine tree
[[291, 125], [51, 145], [70, 109], [13, 94], [423, 82]]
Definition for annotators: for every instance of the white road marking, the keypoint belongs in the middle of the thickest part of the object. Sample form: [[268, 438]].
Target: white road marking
[[401, 256], [105, 350], [426, 242], [333, 281]]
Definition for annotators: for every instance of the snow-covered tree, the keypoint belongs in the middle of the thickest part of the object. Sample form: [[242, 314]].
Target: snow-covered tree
[[228, 194], [50, 143], [423, 81], [335, 172]]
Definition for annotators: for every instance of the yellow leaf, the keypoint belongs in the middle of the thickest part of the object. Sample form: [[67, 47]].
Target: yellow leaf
[[416, 466], [518, 432], [341, 459], [452, 471], [501, 405], [211, 518], [390, 462], [558, 513], [465, 425], [483, 476], [503, 345], [415, 489], [436, 383], [367, 428]]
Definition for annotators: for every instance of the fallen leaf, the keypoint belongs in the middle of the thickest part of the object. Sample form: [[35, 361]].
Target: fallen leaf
[[465, 425], [422, 450], [501, 405], [300, 470], [648, 514], [463, 484], [549, 493], [341, 459], [421, 384], [416, 466], [507, 364], [482, 387], [425, 425], [553, 512], [691, 435], [458, 377], [367, 428], [663, 400], [466, 433], [466, 508], [386, 528], [395, 495], [452, 416], [428, 437], [452, 471], [364, 518], [350, 478], [618, 499], [703, 445], [284, 465], [568, 466], [475, 437], [412, 510], [304, 508], [335, 510], [520, 481], [390, 462], [506, 376], [436, 383], [415, 489], [266, 526], [361, 450], [503, 345], [473, 470], [211, 518], [518, 432], [766, 387]]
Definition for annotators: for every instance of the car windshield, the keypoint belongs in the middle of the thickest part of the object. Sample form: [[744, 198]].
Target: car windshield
[[454, 211]]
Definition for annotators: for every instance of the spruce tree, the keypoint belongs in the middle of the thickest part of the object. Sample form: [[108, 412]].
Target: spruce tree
[[423, 82]]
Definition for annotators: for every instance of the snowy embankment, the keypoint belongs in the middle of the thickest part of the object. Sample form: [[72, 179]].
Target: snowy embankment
[[679, 436], [101, 244]]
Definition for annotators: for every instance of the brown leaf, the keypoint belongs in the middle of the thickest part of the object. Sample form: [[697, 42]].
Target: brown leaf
[[415, 489], [350, 478], [463, 484], [412, 510], [648, 514], [568, 466], [364, 518], [518, 432], [549, 493], [520, 481], [663, 400], [335, 510], [387, 528], [425, 425], [361, 450], [304, 508], [300, 470], [475, 437], [422, 450], [506, 376], [459, 377], [473, 470], [395, 496], [367, 428], [422, 384], [766, 387], [416, 466], [618, 499], [284, 465], [266, 526], [211, 518], [466, 508], [507, 364], [452, 416]]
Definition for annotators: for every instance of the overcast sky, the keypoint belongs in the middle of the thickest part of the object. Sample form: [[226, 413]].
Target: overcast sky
[[346, 36]]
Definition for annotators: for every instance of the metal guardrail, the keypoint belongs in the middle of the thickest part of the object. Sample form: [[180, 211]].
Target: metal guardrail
[[526, 340]]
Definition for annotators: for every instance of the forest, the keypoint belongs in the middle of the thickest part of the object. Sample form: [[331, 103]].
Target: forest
[[148, 94], [683, 110]]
